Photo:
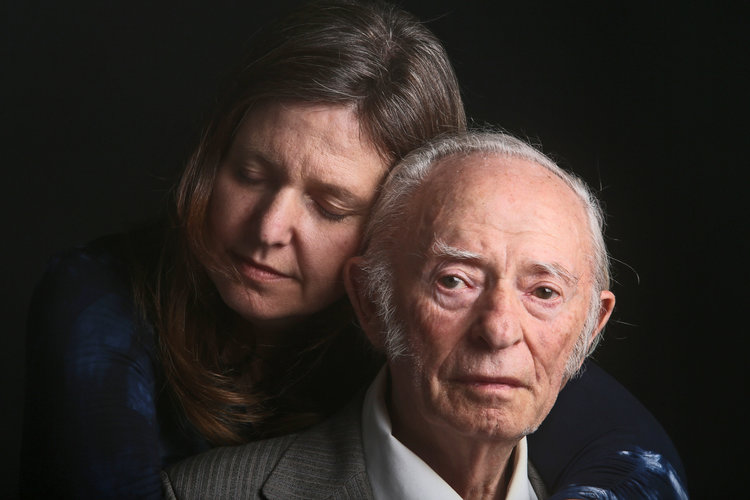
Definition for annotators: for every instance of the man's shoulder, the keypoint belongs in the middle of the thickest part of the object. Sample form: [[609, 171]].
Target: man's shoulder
[[226, 472], [325, 461], [335, 440]]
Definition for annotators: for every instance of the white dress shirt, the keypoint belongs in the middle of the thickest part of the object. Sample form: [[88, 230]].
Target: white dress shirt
[[396, 473]]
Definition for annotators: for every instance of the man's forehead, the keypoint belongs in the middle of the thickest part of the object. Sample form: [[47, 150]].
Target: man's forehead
[[469, 178], [486, 196]]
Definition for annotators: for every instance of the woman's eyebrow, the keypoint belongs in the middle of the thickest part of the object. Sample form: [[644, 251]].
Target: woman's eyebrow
[[251, 154]]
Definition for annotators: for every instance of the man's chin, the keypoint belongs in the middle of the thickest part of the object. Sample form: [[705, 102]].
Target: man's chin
[[489, 423]]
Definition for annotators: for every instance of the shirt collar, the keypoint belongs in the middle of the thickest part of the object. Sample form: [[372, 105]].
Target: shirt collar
[[395, 471]]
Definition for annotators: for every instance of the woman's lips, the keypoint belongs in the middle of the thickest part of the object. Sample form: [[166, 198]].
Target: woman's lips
[[256, 271]]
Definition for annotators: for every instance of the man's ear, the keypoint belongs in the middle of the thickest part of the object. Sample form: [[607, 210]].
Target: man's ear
[[354, 281], [606, 306]]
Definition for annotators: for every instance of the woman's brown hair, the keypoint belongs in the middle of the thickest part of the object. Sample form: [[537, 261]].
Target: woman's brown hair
[[397, 77]]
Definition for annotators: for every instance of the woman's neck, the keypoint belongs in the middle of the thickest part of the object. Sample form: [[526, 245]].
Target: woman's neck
[[262, 340]]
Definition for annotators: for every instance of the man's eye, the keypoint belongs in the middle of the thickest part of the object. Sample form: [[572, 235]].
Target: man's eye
[[451, 282], [544, 292]]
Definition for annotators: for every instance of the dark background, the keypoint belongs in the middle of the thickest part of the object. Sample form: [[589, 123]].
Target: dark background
[[104, 100]]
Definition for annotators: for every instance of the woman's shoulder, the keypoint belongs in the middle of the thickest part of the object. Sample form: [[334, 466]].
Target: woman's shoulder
[[97, 263], [95, 420], [83, 290], [84, 332], [105, 266]]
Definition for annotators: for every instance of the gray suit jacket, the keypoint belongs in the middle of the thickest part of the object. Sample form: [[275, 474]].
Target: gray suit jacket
[[325, 461]]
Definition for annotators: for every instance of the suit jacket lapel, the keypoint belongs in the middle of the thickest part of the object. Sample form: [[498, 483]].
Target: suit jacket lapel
[[326, 461]]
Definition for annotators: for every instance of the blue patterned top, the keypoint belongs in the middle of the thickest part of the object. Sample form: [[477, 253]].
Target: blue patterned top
[[95, 423], [599, 442]]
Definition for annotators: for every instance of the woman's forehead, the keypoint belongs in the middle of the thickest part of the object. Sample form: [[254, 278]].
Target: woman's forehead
[[321, 143]]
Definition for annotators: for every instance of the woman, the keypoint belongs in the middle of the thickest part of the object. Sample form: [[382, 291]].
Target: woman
[[227, 322]]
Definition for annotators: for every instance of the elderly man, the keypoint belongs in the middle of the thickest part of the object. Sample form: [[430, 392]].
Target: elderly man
[[485, 281]]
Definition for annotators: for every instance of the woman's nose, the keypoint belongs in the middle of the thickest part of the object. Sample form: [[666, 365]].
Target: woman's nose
[[278, 218]]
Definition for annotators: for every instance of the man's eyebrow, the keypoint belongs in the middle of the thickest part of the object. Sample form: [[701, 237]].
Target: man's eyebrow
[[441, 249], [553, 269]]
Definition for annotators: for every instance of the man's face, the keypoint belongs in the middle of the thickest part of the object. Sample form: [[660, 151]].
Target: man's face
[[493, 291]]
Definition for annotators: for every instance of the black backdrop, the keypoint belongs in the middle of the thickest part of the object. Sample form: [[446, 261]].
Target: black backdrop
[[104, 100]]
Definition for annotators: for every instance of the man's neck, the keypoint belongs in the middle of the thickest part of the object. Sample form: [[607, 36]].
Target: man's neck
[[475, 469]]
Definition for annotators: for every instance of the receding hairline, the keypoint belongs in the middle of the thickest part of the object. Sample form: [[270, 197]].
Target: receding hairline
[[509, 162]]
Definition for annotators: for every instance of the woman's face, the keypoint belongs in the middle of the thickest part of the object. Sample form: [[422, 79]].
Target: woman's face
[[288, 207]]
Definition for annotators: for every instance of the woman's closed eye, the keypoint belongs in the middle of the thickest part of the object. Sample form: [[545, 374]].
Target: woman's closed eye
[[251, 176], [335, 205], [334, 215]]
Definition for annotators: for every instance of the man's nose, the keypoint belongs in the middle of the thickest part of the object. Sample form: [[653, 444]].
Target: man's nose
[[278, 218], [498, 325]]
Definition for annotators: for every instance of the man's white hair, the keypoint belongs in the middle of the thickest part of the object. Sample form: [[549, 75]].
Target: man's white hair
[[385, 229]]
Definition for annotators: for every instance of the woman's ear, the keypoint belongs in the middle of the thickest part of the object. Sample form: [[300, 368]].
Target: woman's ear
[[354, 281]]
